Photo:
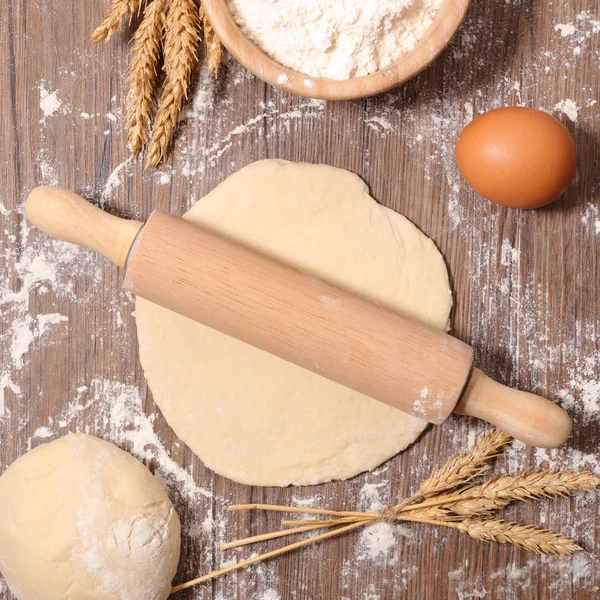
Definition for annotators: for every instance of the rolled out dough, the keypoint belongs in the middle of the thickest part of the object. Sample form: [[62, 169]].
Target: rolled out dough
[[251, 416]]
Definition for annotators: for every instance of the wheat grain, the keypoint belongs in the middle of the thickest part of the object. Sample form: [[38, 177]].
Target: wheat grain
[[527, 537], [214, 47], [180, 56], [143, 74], [113, 18]]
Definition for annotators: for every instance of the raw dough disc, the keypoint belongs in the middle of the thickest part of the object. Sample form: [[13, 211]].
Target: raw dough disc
[[251, 416]]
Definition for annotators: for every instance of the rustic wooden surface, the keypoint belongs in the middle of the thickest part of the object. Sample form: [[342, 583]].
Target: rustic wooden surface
[[532, 315]]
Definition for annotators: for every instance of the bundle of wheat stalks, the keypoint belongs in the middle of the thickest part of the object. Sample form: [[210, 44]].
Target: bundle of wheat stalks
[[450, 497], [169, 31]]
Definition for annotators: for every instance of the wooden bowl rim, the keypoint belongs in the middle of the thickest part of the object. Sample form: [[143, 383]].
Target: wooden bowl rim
[[434, 41]]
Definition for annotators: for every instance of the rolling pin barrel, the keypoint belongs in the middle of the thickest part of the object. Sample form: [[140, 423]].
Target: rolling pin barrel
[[307, 321]]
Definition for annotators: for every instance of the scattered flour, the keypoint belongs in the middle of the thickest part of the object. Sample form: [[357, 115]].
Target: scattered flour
[[49, 101], [565, 30], [371, 593], [379, 124], [269, 595], [115, 179], [41, 433], [377, 542], [569, 108], [204, 98], [582, 398], [370, 498], [164, 178], [303, 501], [47, 171], [7, 384], [36, 266], [115, 409], [591, 218], [510, 255], [510, 581]]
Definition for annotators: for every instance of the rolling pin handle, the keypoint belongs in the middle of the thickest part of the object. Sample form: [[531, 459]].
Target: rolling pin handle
[[531, 419], [69, 217]]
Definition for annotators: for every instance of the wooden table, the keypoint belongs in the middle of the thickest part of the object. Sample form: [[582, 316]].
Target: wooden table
[[526, 283]]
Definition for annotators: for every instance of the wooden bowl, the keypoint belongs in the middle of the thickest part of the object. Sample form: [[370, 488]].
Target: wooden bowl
[[437, 37]]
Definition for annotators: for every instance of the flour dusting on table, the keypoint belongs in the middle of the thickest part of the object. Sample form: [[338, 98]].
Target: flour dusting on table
[[50, 103], [36, 266], [378, 542], [114, 411]]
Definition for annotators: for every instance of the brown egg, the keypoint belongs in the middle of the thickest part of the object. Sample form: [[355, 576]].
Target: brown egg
[[517, 157]]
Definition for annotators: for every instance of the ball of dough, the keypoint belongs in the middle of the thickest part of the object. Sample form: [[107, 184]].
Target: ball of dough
[[80, 518]]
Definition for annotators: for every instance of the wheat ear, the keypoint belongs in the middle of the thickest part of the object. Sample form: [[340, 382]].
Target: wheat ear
[[214, 47], [143, 73], [497, 493], [526, 537], [528, 485], [464, 467], [180, 56], [113, 18]]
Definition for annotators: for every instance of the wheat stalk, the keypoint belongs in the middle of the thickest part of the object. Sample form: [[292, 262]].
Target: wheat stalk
[[271, 554], [214, 47], [143, 73], [180, 56], [294, 509], [112, 19]]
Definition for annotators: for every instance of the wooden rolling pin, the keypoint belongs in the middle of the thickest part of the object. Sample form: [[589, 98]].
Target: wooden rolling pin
[[325, 329]]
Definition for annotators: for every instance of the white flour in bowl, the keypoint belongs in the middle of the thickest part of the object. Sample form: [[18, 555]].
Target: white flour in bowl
[[335, 39]]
